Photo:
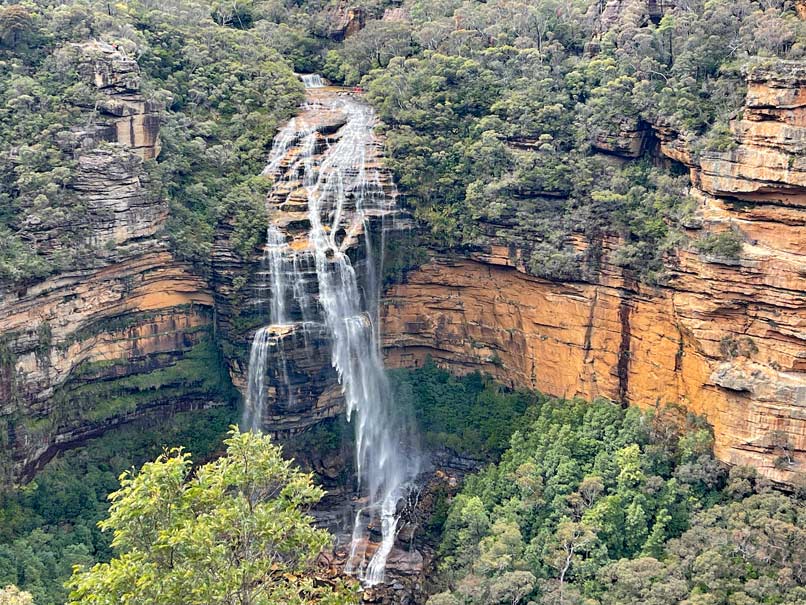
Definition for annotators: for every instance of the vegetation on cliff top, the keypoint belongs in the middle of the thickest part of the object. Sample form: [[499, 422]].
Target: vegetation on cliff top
[[495, 113], [513, 120], [224, 90], [496, 117]]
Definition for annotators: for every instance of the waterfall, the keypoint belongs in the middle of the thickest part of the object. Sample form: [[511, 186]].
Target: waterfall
[[326, 187], [312, 81]]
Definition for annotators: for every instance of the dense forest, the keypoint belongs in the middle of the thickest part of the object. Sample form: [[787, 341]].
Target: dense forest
[[595, 504], [581, 503], [491, 111], [533, 117]]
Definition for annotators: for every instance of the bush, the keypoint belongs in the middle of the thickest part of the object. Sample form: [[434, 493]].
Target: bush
[[725, 245], [470, 415], [51, 523]]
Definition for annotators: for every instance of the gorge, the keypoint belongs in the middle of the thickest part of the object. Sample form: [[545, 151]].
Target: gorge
[[557, 247]]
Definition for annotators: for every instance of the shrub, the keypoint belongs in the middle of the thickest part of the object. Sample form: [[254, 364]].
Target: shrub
[[725, 245]]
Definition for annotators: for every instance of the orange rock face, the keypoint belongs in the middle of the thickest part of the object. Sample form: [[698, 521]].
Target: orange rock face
[[134, 317], [77, 349], [725, 339]]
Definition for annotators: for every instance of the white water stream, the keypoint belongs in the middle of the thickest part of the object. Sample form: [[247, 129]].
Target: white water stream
[[343, 197]]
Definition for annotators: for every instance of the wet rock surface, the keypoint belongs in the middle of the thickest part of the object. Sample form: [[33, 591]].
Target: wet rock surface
[[301, 383]]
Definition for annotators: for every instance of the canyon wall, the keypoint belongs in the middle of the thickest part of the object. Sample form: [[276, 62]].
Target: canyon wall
[[131, 329], [128, 329], [725, 338]]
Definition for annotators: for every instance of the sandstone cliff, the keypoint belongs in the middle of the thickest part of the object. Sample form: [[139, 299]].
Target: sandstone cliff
[[301, 385], [722, 338], [130, 327]]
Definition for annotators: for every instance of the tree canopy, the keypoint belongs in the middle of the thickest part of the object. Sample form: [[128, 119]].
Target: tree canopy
[[599, 505], [11, 595], [232, 531]]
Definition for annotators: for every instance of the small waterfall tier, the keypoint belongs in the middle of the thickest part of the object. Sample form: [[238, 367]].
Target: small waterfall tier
[[319, 287], [312, 80]]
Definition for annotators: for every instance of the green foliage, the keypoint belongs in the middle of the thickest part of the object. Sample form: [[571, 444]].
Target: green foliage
[[234, 526], [464, 162], [471, 415], [245, 205], [574, 488], [371, 48], [592, 501], [402, 253], [50, 524], [724, 245], [11, 595], [224, 87], [18, 260], [228, 91], [719, 138], [492, 113], [496, 124], [15, 23], [42, 98]]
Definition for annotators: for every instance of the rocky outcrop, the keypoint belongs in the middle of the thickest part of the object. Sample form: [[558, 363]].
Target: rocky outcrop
[[724, 338], [122, 114], [768, 162], [129, 328], [346, 20], [301, 384], [629, 140]]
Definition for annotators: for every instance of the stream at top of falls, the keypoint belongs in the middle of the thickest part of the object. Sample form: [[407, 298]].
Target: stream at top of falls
[[309, 285]]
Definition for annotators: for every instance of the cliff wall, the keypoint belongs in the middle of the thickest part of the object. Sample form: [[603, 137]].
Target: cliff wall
[[723, 337], [131, 329], [127, 330]]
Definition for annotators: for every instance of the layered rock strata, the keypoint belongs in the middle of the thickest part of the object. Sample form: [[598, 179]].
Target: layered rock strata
[[126, 331], [300, 383], [725, 338]]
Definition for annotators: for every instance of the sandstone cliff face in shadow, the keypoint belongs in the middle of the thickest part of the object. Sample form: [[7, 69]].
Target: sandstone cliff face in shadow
[[128, 329]]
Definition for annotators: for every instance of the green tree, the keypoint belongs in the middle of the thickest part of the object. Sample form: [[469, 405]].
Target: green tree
[[443, 598], [500, 551], [568, 546], [15, 22], [645, 580], [635, 526], [234, 531]]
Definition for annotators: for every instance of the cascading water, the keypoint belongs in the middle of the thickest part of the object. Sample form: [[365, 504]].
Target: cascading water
[[312, 81], [343, 200]]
